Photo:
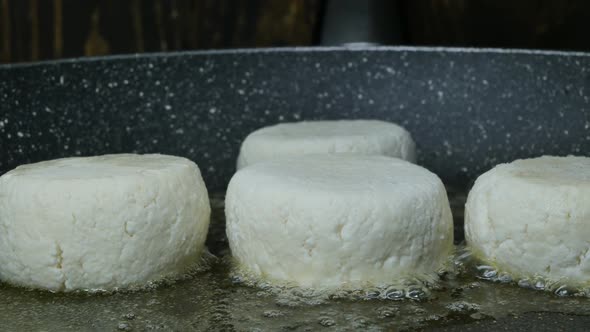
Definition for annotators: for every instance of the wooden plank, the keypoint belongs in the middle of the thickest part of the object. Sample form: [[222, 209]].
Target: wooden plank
[[34, 15], [35, 29], [116, 26], [136, 14], [57, 29], [488, 23], [160, 27], [175, 28], [288, 22], [6, 31], [20, 31], [45, 31]]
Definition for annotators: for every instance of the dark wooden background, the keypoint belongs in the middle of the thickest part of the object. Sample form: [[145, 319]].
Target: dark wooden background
[[33, 30]]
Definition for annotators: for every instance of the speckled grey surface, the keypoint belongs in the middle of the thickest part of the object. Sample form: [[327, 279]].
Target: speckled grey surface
[[467, 110]]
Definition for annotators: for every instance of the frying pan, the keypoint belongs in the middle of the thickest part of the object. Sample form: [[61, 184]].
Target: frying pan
[[467, 109]]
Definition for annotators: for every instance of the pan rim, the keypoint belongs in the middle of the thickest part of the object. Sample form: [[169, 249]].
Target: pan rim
[[306, 49]]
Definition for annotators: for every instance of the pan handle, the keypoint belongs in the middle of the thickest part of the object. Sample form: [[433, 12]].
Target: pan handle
[[358, 23]]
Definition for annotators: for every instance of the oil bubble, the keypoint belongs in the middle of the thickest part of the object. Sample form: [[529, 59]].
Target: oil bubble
[[129, 316], [326, 321], [272, 313], [395, 294], [539, 285], [504, 278], [524, 283], [463, 306], [124, 327], [372, 294], [486, 272], [383, 312], [417, 294], [360, 322], [562, 291]]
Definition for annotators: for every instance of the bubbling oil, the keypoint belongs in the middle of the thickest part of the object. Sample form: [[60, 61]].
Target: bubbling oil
[[416, 288], [483, 271]]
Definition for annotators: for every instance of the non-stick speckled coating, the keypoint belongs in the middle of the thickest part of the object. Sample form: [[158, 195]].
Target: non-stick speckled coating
[[467, 110]]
